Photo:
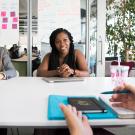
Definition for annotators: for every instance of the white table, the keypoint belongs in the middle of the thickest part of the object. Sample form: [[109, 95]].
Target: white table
[[24, 100]]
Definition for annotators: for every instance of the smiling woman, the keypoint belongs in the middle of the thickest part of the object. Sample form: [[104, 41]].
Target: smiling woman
[[64, 60]]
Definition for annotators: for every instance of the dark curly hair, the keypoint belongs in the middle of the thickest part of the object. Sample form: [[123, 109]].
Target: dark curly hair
[[54, 56]]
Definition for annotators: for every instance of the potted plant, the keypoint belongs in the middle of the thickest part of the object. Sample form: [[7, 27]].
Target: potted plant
[[120, 28]]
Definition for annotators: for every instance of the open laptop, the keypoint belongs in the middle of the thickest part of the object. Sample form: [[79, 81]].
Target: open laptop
[[60, 79]]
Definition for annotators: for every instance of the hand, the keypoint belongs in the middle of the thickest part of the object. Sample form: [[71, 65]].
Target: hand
[[1, 76], [65, 71], [77, 123], [124, 100]]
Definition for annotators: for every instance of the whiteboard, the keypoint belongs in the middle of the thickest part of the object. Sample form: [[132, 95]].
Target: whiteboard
[[9, 22], [53, 14]]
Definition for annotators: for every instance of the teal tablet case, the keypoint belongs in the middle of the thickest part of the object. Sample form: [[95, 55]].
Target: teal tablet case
[[55, 113]]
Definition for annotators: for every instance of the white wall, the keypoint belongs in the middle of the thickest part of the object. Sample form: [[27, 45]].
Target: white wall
[[9, 10]]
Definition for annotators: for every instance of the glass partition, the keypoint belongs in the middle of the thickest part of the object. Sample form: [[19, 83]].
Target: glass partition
[[93, 36], [13, 23], [78, 17], [67, 14]]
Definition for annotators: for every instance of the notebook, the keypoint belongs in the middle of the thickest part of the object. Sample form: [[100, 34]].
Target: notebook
[[87, 104], [121, 112], [55, 113], [60, 79]]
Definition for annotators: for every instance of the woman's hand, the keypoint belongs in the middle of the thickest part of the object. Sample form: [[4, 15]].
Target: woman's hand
[[124, 100], [65, 71]]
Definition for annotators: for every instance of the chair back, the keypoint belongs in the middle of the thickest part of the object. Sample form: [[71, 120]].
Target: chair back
[[17, 73], [35, 73]]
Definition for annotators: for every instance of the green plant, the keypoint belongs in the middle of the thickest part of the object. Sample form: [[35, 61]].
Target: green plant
[[120, 28]]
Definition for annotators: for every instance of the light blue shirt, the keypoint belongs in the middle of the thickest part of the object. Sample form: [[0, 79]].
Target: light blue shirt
[[6, 65]]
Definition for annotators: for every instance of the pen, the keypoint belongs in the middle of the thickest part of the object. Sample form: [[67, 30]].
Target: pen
[[116, 92]]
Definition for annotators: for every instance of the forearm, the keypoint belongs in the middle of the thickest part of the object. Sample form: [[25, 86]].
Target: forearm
[[79, 73], [10, 73], [9, 70], [52, 73]]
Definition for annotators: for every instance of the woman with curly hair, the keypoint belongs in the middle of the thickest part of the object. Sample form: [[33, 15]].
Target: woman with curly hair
[[63, 60]]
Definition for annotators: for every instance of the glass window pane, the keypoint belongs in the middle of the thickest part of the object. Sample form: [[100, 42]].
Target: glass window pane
[[67, 14]]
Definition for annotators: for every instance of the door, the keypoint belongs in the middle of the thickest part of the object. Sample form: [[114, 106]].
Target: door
[[96, 25]]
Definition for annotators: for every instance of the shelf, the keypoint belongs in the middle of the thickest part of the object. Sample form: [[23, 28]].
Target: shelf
[[23, 24]]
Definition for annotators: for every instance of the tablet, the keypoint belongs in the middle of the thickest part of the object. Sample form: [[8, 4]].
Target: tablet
[[60, 79]]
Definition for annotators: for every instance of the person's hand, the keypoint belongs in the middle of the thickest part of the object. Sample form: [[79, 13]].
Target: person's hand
[[124, 100], [65, 71], [1, 76], [77, 123]]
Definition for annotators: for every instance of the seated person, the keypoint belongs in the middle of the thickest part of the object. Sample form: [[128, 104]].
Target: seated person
[[35, 51], [7, 69], [64, 60], [14, 51]]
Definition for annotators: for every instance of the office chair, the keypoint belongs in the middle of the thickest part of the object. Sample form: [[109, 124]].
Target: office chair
[[17, 73], [35, 73]]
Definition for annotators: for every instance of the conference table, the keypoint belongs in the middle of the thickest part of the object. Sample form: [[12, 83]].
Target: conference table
[[24, 101]]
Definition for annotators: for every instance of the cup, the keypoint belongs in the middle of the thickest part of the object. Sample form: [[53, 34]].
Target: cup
[[118, 74]]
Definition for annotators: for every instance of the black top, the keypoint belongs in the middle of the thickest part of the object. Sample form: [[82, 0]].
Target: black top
[[69, 60]]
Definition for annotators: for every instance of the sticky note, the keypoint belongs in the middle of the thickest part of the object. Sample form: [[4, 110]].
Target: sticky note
[[15, 19], [3, 13], [5, 20], [14, 26], [12, 14], [4, 26]]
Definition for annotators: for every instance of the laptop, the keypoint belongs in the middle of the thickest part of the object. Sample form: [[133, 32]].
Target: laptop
[[60, 79]]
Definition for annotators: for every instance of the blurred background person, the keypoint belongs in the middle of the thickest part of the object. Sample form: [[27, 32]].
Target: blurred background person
[[14, 51]]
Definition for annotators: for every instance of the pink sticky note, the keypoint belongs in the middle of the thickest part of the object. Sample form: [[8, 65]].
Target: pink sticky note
[[14, 26], [3, 13], [4, 26], [12, 14], [15, 19], [5, 20]]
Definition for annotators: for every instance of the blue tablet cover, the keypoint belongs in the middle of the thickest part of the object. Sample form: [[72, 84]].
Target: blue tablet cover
[[55, 113]]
